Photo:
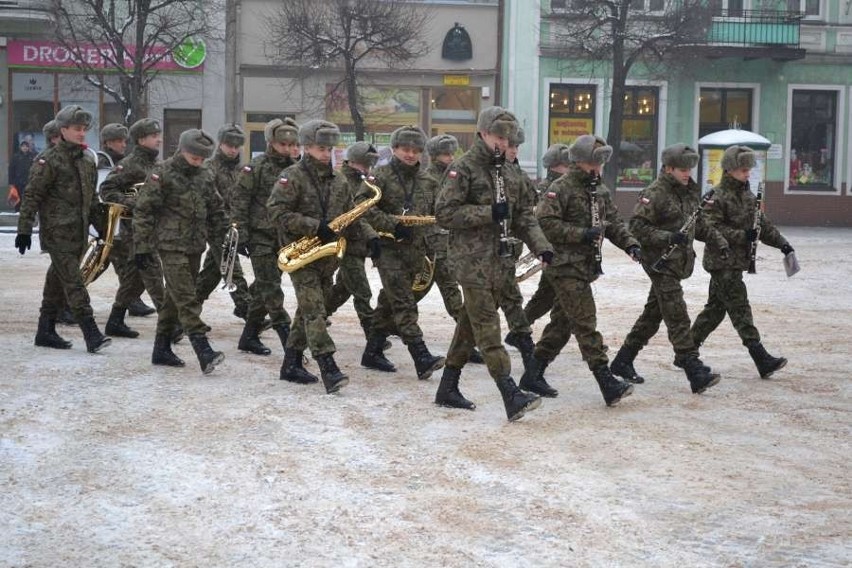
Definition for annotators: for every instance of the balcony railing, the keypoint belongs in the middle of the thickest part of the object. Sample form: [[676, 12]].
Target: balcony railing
[[753, 28]]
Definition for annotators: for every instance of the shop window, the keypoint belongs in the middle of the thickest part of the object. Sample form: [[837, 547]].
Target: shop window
[[571, 112], [813, 138], [176, 121], [637, 153], [720, 109]]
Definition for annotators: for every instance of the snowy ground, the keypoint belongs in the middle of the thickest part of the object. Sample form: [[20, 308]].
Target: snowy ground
[[108, 461]]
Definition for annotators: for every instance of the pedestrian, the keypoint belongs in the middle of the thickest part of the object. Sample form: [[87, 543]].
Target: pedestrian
[[19, 170]]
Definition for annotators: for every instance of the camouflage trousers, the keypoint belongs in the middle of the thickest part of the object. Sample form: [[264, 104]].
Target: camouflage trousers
[[728, 296], [665, 304], [446, 282], [132, 281], [396, 308], [541, 302], [352, 281], [182, 307], [64, 281], [479, 326], [267, 296], [511, 301], [576, 313], [312, 284], [210, 277]]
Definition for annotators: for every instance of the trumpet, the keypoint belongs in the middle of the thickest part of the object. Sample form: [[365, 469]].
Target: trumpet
[[229, 257]]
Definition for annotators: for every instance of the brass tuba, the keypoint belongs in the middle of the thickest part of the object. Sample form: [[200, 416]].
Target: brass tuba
[[423, 279], [306, 250], [96, 258]]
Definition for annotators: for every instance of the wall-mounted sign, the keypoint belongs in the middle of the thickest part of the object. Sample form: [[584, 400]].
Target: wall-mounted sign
[[457, 45], [456, 80]]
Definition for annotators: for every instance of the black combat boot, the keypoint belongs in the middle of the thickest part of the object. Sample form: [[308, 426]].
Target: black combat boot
[[332, 378], [240, 309], [139, 309], [525, 345], [116, 327], [163, 354], [250, 341], [283, 331], [448, 391], [512, 339], [177, 335], [622, 365], [66, 317], [46, 335], [293, 370], [533, 378], [516, 401], [374, 358], [424, 362], [700, 376], [766, 363], [207, 358], [475, 357], [612, 389], [95, 340]]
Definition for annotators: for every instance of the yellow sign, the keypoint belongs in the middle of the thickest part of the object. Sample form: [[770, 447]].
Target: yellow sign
[[566, 130], [457, 80]]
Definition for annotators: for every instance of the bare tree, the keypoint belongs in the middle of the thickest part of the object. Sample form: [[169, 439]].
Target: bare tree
[[348, 37], [618, 35], [131, 37]]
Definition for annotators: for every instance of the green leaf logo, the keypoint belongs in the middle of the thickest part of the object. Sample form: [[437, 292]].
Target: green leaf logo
[[190, 54]]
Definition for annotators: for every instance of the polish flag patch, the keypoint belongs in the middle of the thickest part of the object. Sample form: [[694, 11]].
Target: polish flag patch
[[452, 174], [282, 181], [247, 169], [118, 168], [550, 195], [155, 177], [41, 161], [644, 200]]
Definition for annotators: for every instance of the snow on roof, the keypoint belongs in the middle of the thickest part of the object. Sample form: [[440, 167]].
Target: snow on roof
[[733, 136]]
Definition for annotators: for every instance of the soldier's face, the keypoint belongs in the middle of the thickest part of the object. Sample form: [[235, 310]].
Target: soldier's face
[[559, 169], [117, 146], [290, 149], [152, 141], [408, 155], [593, 168], [228, 150], [445, 159], [495, 141], [680, 174], [192, 159], [511, 153], [319, 153], [76, 133], [740, 174]]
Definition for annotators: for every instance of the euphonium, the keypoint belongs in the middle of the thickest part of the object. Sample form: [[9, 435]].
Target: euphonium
[[306, 250], [96, 258]]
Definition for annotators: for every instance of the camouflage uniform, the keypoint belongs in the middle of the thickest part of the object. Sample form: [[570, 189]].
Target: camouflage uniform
[[443, 277], [511, 300], [544, 298]]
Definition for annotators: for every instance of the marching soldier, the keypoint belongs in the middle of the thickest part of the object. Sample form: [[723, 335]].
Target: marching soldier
[[732, 213], [120, 187], [113, 144], [177, 214], [258, 237], [576, 213], [306, 197], [406, 190], [61, 190], [660, 214], [225, 164], [478, 201]]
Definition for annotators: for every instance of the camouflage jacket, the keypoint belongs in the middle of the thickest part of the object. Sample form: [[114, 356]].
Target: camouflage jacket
[[225, 172], [565, 212], [439, 240], [544, 184], [178, 210], [61, 190], [118, 187], [250, 197], [107, 159], [662, 209], [356, 247], [464, 207], [731, 213]]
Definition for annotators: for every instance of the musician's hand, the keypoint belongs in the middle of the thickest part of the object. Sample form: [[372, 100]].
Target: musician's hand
[[143, 260], [678, 238], [403, 233], [725, 253], [786, 249], [23, 243], [751, 235], [325, 234], [635, 253], [546, 258], [500, 211], [244, 249], [375, 248], [591, 235]]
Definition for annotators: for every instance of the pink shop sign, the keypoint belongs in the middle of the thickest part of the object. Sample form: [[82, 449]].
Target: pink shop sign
[[49, 55]]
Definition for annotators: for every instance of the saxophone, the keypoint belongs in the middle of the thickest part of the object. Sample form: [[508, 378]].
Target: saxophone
[[306, 250]]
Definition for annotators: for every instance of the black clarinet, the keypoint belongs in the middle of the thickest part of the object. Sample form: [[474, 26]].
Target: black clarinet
[[500, 197], [661, 262], [596, 222], [758, 215]]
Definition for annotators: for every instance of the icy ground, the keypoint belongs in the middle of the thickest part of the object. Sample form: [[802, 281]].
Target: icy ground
[[106, 460]]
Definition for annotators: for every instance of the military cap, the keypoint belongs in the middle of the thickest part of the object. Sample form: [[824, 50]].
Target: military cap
[[362, 153], [73, 115], [319, 132], [738, 157], [517, 138], [442, 144], [408, 136], [231, 134], [197, 142], [680, 156], [278, 130], [556, 155], [497, 120], [50, 130], [113, 131], [590, 149], [144, 127]]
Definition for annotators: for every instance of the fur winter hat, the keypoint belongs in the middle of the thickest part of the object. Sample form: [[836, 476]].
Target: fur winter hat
[[50, 130], [144, 127], [114, 131], [442, 144], [408, 136], [497, 120], [738, 157], [197, 142], [278, 130], [362, 153], [319, 132], [231, 134], [680, 156], [73, 115], [556, 155], [590, 149], [518, 138]]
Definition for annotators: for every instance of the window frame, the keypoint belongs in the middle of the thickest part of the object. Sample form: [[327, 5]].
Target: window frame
[[839, 135], [755, 103], [819, 16], [662, 119]]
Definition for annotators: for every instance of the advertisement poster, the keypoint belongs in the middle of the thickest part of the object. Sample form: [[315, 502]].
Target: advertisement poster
[[384, 108], [566, 130]]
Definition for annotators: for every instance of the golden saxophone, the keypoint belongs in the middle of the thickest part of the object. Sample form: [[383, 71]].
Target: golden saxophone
[[306, 250], [96, 258], [423, 279]]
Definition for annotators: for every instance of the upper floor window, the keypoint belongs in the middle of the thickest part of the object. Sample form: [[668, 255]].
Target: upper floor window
[[810, 8], [648, 5], [730, 8]]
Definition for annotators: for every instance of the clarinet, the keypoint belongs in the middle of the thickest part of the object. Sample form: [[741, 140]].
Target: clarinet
[[596, 222], [758, 217], [661, 262], [500, 190]]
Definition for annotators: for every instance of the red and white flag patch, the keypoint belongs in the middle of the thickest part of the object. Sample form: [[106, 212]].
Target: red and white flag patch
[[550, 195], [41, 161], [118, 168], [155, 177], [452, 174], [644, 200], [247, 169], [282, 181]]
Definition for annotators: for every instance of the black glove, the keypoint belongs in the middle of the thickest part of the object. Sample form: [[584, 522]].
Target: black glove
[[403, 233], [635, 253], [500, 211], [325, 234], [591, 234], [786, 249], [546, 257], [23, 243], [244, 249], [751, 235], [725, 253], [143, 260], [678, 238], [375, 248]]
